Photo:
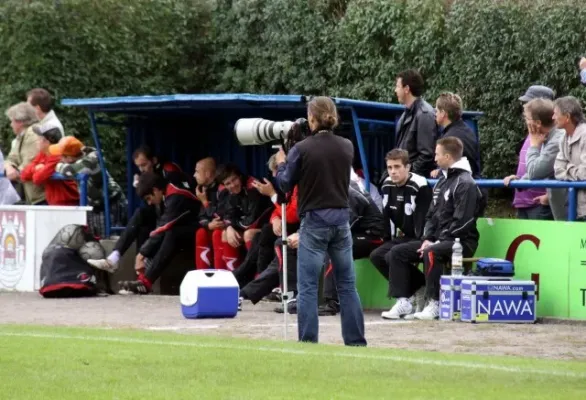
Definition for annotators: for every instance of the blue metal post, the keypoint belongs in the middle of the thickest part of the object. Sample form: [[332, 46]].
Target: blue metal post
[[361, 149], [82, 179], [104, 173], [572, 204]]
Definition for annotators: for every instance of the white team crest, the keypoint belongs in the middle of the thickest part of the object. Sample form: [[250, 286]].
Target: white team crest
[[410, 207]]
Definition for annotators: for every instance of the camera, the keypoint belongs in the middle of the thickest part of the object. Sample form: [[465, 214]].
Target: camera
[[257, 131]]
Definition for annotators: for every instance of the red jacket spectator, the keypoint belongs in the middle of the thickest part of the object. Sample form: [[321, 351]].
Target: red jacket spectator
[[290, 209], [57, 193]]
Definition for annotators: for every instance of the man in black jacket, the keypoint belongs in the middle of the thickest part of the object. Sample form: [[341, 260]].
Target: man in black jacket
[[247, 210], [406, 200], [448, 114], [457, 203], [368, 228], [175, 227], [416, 130], [144, 219], [320, 165]]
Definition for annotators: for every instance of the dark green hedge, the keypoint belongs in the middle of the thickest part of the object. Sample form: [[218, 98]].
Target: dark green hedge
[[489, 51]]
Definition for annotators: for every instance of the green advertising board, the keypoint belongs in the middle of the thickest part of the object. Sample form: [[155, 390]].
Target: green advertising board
[[553, 254]]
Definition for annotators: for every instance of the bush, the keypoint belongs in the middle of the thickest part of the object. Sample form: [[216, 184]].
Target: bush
[[488, 51], [101, 48]]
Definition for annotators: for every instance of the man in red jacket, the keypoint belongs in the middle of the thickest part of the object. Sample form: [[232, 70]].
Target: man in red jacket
[[42, 167]]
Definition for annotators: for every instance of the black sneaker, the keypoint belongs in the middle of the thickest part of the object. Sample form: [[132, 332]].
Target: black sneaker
[[330, 308], [292, 307], [133, 287], [274, 297]]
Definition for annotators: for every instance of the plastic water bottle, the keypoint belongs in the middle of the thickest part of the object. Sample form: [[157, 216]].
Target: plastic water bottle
[[457, 259]]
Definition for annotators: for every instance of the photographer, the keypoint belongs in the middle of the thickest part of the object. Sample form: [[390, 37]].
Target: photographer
[[320, 166]]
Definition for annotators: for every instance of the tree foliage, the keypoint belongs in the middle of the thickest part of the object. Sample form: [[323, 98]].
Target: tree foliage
[[488, 51]]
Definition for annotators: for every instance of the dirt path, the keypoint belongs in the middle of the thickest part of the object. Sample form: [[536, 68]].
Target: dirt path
[[563, 341]]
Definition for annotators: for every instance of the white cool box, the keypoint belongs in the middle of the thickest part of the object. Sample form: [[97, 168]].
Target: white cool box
[[209, 293]]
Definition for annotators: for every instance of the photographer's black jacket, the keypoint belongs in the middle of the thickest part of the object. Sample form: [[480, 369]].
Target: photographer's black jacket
[[217, 197], [320, 165], [417, 133], [457, 204], [245, 209], [365, 217], [405, 207]]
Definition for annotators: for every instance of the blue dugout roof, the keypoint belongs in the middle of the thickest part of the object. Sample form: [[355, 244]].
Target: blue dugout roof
[[206, 101]]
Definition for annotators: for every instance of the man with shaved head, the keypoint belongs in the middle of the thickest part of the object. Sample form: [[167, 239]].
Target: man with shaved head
[[213, 198]]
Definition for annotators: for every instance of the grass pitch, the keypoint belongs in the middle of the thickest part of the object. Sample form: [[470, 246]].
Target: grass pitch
[[74, 363]]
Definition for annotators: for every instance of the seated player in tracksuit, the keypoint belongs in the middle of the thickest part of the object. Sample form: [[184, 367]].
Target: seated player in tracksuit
[[261, 252], [214, 198], [144, 219], [368, 229], [406, 200], [457, 203], [175, 229], [272, 277], [246, 211]]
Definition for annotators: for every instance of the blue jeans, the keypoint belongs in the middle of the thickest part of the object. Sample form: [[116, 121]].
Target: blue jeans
[[315, 244]]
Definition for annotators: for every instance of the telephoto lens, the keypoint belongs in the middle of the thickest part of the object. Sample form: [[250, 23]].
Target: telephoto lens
[[257, 131]]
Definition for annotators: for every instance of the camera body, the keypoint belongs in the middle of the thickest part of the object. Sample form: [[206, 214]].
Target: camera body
[[258, 131]]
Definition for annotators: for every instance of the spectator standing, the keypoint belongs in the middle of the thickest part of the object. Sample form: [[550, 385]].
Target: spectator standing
[[448, 114], [570, 163], [43, 103], [544, 146], [416, 130], [320, 165], [8, 194], [42, 167], [22, 118], [528, 202]]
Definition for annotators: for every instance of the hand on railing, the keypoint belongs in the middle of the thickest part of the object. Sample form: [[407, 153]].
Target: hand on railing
[[572, 186]]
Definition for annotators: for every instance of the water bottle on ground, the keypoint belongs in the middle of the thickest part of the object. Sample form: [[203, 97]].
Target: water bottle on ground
[[457, 259]]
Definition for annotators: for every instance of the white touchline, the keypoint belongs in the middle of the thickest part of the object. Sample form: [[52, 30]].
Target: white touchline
[[412, 360]]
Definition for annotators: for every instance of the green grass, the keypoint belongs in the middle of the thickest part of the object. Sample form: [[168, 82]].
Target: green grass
[[74, 363]]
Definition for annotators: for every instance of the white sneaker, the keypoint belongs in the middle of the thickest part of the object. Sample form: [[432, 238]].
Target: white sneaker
[[430, 312], [401, 308], [240, 299], [104, 265]]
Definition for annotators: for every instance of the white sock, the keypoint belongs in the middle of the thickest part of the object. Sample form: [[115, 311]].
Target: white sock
[[114, 257]]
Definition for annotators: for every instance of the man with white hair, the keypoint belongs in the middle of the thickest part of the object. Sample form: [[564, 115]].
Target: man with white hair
[[22, 118]]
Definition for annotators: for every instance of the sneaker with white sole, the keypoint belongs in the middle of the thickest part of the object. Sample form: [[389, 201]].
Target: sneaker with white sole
[[429, 313], [240, 299], [401, 308], [104, 265]]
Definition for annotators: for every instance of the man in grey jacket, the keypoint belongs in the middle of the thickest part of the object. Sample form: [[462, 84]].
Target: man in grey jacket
[[544, 145]]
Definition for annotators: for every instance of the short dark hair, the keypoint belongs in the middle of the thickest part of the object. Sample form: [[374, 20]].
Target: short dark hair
[[145, 150], [398, 154], [42, 98], [149, 181], [453, 146], [413, 79], [228, 170]]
